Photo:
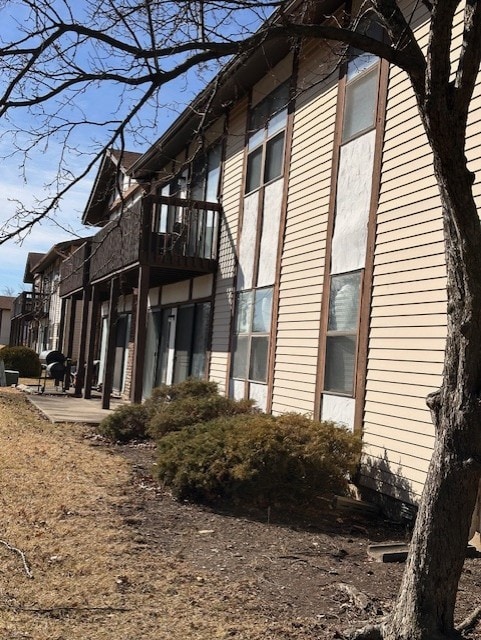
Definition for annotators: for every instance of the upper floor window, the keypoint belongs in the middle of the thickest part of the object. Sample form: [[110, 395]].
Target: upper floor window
[[204, 184], [266, 139], [361, 88]]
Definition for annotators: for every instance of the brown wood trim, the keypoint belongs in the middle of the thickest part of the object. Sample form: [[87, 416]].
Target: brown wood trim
[[61, 329], [71, 325], [336, 152], [186, 202], [366, 294], [110, 356], [140, 338], [282, 228]]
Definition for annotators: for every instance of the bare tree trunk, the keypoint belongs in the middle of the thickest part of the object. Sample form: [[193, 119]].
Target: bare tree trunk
[[425, 607]]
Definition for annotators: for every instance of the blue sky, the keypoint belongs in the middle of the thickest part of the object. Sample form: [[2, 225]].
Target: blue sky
[[28, 183]]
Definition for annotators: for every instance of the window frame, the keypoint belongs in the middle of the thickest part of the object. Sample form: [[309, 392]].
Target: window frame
[[373, 69], [265, 138], [350, 333], [250, 335]]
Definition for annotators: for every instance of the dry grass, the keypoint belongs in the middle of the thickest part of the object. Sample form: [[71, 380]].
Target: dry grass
[[91, 579]]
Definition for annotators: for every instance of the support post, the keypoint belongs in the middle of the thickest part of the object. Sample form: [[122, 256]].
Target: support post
[[140, 333], [92, 335], [61, 328], [80, 377], [110, 359]]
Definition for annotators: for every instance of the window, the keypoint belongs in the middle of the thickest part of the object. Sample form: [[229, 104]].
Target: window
[[361, 88], [360, 104], [204, 183], [341, 347], [252, 332], [266, 139], [183, 335], [205, 186], [191, 229]]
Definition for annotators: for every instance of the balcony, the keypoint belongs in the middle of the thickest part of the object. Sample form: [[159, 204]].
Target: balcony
[[176, 237], [74, 271], [23, 305]]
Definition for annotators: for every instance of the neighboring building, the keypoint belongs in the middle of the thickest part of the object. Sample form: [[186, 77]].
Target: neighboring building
[[24, 325], [38, 315], [287, 244], [6, 306]]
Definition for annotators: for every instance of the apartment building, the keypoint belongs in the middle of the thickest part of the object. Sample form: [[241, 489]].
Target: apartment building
[[287, 243]]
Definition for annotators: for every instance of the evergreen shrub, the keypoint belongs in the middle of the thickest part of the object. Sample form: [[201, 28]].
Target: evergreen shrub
[[22, 359], [185, 410], [170, 408], [125, 423], [258, 459]]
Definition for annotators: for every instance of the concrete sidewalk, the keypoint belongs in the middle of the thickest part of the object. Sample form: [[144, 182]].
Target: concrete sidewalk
[[62, 407]]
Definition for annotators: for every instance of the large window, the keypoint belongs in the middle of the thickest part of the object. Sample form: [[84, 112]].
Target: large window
[[341, 347], [183, 335], [266, 139], [252, 331]]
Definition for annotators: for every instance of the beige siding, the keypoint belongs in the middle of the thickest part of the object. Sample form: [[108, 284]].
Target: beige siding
[[231, 191], [302, 263], [408, 322]]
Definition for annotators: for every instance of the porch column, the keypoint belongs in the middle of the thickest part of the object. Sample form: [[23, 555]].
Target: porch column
[[110, 359], [92, 336], [61, 328], [140, 333], [71, 326], [80, 377]]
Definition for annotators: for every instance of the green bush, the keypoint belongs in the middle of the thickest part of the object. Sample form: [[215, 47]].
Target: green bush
[[258, 459], [127, 422], [192, 387], [185, 410], [21, 359], [170, 408]]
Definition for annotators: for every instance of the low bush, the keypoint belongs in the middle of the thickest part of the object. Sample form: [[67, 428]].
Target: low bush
[[170, 408], [192, 387], [258, 459], [185, 410], [21, 359], [125, 423]]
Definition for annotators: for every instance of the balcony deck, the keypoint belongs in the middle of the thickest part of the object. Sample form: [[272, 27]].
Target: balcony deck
[[177, 238], [23, 305], [74, 271]]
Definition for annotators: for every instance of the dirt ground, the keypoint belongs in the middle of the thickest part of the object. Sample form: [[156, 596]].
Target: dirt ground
[[114, 556]]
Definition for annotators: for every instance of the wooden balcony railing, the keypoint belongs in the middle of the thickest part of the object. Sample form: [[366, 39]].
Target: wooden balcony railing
[[117, 245], [23, 305], [177, 234], [181, 228], [74, 271]]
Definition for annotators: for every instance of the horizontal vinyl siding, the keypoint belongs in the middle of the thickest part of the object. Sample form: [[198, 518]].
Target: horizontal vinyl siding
[[231, 191], [302, 261], [408, 315], [408, 323]]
